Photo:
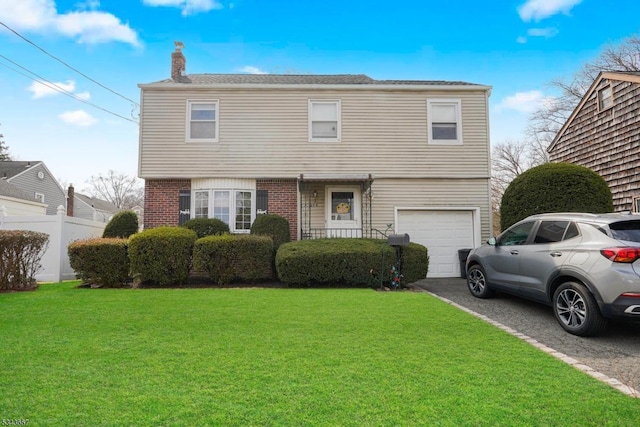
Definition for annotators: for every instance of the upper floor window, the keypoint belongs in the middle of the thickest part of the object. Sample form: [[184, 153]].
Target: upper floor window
[[40, 197], [605, 98], [202, 121], [444, 121], [324, 120]]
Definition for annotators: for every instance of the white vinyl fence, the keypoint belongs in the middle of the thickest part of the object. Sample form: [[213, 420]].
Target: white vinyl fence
[[62, 230]]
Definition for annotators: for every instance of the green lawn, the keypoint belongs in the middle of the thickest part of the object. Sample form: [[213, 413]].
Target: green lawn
[[155, 357]]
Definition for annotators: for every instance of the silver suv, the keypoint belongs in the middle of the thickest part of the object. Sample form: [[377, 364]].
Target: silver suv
[[586, 266]]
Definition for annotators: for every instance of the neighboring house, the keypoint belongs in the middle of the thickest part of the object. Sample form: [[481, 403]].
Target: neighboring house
[[93, 209], [15, 202], [603, 134], [35, 179], [337, 155], [139, 210]]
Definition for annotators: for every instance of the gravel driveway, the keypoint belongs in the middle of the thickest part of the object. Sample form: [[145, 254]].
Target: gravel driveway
[[616, 353]]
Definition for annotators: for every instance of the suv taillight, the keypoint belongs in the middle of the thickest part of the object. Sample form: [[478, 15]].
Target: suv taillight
[[621, 254]]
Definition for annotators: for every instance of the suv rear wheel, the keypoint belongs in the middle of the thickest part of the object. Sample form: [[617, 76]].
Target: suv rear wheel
[[577, 311]]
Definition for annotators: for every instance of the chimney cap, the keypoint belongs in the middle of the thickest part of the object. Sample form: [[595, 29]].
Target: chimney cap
[[179, 45]]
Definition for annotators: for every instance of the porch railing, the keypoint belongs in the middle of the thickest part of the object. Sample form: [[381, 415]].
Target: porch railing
[[323, 233]]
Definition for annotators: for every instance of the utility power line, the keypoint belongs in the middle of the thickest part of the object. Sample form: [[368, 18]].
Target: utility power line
[[57, 88], [67, 65]]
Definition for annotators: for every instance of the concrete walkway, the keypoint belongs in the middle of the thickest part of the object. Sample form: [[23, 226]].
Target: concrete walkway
[[612, 357]]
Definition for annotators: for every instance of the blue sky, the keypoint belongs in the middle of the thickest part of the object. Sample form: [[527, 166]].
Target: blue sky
[[516, 47]]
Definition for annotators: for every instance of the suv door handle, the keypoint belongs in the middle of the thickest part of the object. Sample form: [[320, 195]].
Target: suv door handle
[[555, 254]]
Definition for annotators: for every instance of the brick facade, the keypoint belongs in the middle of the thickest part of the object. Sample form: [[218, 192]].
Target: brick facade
[[161, 201], [283, 200]]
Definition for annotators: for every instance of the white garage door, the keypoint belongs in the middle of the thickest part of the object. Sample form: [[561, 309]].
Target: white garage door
[[443, 233]]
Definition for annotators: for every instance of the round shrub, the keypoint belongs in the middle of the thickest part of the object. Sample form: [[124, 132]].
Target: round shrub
[[554, 187], [231, 258], [348, 262], [275, 226], [123, 224], [100, 262], [162, 255], [206, 226]]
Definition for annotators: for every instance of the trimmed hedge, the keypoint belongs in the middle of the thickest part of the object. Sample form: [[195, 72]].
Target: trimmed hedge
[[162, 255], [123, 224], [274, 226], [348, 262], [230, 258], [100, 262], [206, 226], [20, 255], [554, 187]]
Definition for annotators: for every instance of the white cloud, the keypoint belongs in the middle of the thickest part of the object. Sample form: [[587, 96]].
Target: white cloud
[[85, 96], [536, 10], [188, 7], [524, 102], [521, 40], [43, 89], [86, 26], [78, 118], [543, 32], [40, 90], [252, 70]]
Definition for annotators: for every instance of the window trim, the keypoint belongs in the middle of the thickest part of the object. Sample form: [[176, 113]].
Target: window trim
[[458, 109], [190, 103], [232, 205], [338, 105], [600, 98], [39, 197]]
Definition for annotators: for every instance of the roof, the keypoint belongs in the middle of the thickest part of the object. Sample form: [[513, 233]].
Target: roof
[[629, 76], [9, 190], [98, 204], [306, 80], [11, 168]]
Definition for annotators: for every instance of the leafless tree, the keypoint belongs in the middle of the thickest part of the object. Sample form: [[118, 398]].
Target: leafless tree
[[4, 150], [546, 121], [123, 191], [508, 160]]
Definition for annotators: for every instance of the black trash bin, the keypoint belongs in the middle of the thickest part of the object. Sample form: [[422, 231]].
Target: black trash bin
[[462, 256]]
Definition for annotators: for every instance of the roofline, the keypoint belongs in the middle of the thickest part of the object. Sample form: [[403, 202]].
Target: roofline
[[28, 168], [611, 75], [29, 202], [267, 86]]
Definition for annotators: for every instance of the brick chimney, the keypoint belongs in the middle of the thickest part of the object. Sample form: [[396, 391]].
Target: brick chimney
[[71, 195], [178, 62]]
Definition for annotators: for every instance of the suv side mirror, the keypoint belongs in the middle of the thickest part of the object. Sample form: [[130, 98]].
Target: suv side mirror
[[492, 241]]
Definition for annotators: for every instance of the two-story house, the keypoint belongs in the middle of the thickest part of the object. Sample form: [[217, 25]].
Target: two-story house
[[603, 134], [337, 155], [34, 178]]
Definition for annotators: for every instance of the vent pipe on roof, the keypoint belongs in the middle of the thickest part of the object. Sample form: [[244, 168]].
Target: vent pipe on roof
[[178, 62]]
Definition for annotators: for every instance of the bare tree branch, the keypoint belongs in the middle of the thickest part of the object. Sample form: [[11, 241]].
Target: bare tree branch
[[545, 122], [123, 191]]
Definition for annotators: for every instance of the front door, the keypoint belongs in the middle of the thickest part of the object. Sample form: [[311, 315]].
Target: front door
[[343, 212]]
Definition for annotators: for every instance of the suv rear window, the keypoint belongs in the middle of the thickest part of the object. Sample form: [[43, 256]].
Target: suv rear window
[[626, 230], [555, 231]]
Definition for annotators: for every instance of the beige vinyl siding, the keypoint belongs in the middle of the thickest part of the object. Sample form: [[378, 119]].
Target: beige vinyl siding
[[389, 194], [264, 134], [464, 193]]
